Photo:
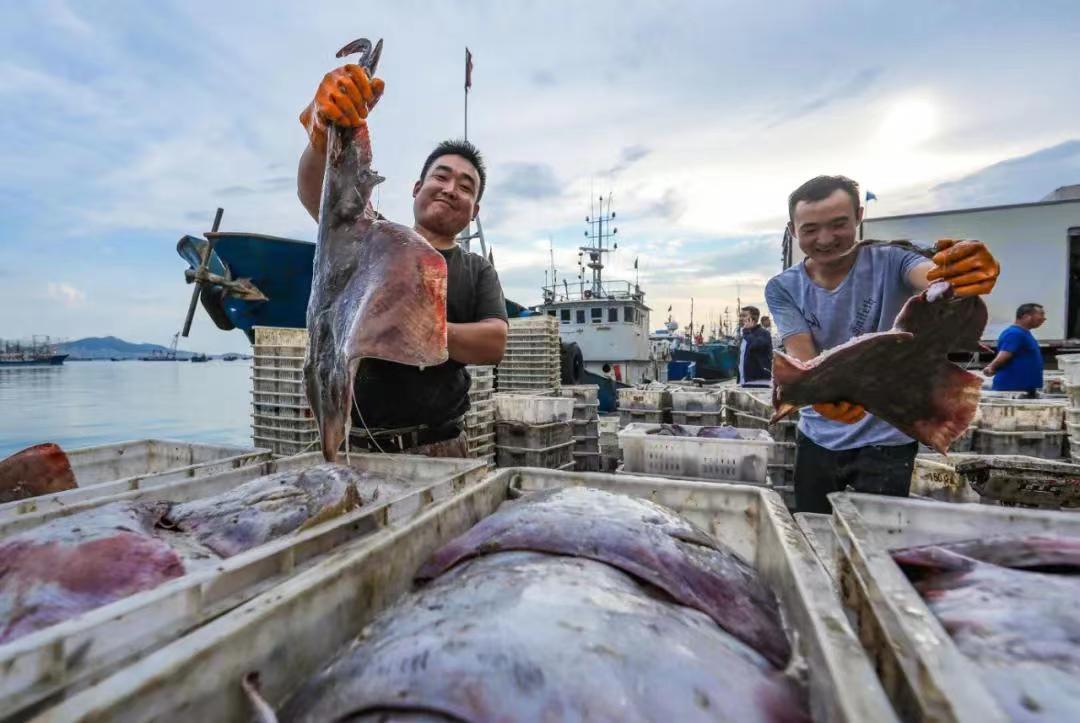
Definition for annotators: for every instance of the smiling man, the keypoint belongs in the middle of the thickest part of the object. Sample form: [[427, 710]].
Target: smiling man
[[401, 408], [839, 292]]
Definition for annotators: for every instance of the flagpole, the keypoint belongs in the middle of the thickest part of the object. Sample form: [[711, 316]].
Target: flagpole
[[467, 79]]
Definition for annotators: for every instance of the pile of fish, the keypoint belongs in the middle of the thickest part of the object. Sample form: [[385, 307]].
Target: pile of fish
[[572, 604], [677, 430], [38, 470], [379, 288], [1010, 605], [70, 565], [902, 376]]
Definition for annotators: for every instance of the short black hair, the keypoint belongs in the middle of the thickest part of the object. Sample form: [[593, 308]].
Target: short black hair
[[753, 311], [821, 187], [458, 148], [1025, 309]]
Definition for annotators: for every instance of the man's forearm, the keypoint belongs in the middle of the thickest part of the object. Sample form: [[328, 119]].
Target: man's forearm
[[481, 342], [309, 180], [999, 361]]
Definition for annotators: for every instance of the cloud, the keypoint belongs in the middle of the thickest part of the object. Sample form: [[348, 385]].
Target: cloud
[[65, 293], [531, 181], [857, 85], [629, 156], [669, 207], [1024, 179]]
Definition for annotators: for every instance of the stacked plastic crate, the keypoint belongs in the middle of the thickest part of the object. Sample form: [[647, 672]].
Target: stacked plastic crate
[[645, 404], [1030, 427], [534, 431], [610, 454], [480, 419], [751, 408], [1070, 366], [531, 362], [701, 406], [586, 423], [281, 417]]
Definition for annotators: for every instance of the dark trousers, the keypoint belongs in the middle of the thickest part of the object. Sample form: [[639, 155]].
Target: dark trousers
[[874, 469]]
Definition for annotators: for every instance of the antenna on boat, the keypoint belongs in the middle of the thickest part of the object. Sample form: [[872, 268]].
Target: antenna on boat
[[600, 230]]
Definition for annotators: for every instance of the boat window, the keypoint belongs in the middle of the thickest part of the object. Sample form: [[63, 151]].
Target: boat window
[[613, 314], [566, 316], [596, 314], [580, 316], [628, 314]]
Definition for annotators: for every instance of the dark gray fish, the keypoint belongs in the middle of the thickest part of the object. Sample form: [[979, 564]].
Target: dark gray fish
[[641, 538], [378, 291], [532, 637], [267, 507], [73, 564], [902, 376], [1010, 605]]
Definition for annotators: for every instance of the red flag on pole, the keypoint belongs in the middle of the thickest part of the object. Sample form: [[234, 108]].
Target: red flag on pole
[[468, 69]]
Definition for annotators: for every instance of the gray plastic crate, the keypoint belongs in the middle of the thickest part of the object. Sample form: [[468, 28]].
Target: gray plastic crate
[[1047, 445], [586, 411], [698, 419], [582, 393], [532, 436], [587, 462], [589, 428], [636, 416], [553, 457], [590, 445]]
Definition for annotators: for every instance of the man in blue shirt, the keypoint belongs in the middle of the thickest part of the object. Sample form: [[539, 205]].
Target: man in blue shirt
[[841, 291], [1018, 366]]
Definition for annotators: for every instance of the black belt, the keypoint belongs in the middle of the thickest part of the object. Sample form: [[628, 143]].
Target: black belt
[[399, 440]]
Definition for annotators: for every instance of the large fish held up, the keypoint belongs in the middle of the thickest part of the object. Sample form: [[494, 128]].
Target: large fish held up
[[1009, 604], [379, 289], [902, 376], [38, 470]]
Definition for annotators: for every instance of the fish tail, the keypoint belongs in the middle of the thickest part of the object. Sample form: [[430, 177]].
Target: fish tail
[[785, 370]]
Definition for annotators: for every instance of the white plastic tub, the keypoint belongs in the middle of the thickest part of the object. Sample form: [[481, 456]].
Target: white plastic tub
[[934, 477], [697, 400], [1021, 415], [1070, 365], [291, 632], [532, 409], [58, 660], [743, 460], [655, 398], [111, 469]]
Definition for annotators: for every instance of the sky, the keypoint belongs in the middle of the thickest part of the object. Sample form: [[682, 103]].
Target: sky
[[125, 124]]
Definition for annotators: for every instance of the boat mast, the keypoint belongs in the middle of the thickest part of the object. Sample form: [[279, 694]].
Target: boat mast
[[596, 236]]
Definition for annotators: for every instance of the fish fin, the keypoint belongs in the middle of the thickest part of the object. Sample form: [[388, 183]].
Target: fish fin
[[38, 470], [954, 396], [782, 411], [786, 369], [252, 687]]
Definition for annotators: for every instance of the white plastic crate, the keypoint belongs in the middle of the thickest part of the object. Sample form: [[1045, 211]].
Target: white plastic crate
[[1070, 365], [288, 374], [934, 477], [282, 411], [533, 409], [586, 411], [697, 400], [701, 419], [296, 399], [1021, 415], [280, 336], [582, 393], [653, 399], [743, 460], [273, 385]]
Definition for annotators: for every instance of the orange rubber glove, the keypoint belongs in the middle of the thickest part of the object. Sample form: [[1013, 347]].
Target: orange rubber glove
[[845, 412], [344, 98], [968, 266]]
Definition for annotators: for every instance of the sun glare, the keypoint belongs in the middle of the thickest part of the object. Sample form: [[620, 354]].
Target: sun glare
[[909, 122]]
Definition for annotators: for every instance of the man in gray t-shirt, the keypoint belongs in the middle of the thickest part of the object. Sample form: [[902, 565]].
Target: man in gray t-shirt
[[838, 293]]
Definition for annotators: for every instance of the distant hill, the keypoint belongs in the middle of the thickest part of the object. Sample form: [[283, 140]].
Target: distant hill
[[106, 347]]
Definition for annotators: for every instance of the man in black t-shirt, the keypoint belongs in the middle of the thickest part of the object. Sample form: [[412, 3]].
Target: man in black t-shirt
[[399, 407]]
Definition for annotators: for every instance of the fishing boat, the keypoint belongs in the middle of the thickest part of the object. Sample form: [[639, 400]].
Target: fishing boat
[[199, 358], [39, 351], [606, 320]]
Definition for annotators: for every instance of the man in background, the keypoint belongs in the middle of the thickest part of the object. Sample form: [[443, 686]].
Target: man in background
[[755, 350], [1018, 366]]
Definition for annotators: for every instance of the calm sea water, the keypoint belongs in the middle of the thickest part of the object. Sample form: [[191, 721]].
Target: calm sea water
[[79, 404]]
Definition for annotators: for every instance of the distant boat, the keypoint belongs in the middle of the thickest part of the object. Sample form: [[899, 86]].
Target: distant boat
[[230, 357], [32, 353], [200, 358]]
